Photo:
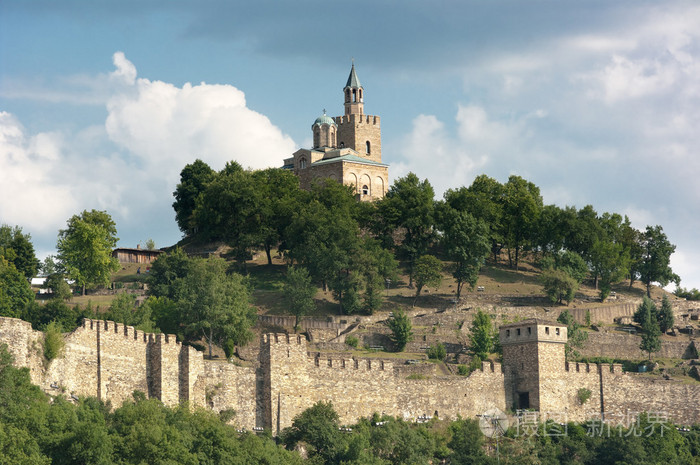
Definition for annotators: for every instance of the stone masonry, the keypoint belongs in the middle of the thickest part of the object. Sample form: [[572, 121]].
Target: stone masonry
[[111, 361]]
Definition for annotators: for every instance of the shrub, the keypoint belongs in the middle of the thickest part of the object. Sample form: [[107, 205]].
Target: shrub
[[416, 376], [583, 395], [53, 341], [352, 341], [437, 352]]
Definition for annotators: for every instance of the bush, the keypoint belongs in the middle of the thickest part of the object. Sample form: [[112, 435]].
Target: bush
[[53, 341], [352, 341], [583, 395], [437, 352]]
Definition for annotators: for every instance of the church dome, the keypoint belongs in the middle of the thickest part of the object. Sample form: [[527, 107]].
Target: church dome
[[321, 120]]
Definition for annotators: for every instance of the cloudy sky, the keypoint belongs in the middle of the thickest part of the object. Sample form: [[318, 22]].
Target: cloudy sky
[[102, 103]]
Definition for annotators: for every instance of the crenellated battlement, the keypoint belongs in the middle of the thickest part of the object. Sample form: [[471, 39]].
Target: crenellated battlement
[[358, 119], [353, 363], [129, 332], [579, 367], [491, 367], [283, 338]]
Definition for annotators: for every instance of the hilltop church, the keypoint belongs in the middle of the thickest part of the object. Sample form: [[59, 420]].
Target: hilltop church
[[346, 148]]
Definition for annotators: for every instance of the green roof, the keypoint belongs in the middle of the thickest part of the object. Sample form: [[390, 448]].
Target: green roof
[[353, 80], [324, 120], [348, 158]]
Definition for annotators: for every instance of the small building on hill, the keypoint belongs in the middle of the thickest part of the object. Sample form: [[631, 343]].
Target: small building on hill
[[137, 255]]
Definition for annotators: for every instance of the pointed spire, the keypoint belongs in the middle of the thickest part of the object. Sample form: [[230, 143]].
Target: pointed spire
[[353, 80]]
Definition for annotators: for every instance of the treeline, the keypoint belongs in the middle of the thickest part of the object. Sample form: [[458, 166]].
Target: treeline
[[329, 233], [37, 429]]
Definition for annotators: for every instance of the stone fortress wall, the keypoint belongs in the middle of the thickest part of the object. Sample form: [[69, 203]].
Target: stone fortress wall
[[110, 361]]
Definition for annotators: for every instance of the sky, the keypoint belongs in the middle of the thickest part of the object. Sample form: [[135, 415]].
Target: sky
[[103, 102]]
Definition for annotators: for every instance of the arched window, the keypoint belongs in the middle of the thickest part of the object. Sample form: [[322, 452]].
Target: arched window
[[368, 147], [365, 190], [342, 144], [302, 163]]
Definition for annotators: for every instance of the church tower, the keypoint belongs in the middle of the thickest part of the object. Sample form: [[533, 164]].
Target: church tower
[[347, 148], [356, 130], [354, 98]]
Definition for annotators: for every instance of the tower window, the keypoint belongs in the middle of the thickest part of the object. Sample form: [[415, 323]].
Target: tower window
[[546, 329], [529, 330], [507, 332], [302, 163], [368, 147], [557, 331], [342, 144], [365, 190], [518, 331]]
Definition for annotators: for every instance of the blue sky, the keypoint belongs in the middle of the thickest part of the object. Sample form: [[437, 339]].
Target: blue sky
[[103, 102]]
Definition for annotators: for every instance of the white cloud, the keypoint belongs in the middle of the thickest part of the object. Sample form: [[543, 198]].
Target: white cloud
[[167, 127], [130, 165], [31, 196]]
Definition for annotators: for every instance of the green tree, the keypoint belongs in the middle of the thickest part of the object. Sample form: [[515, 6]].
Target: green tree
[[665, 315], [559, 286], [467, 443], [647, 307], [576, 336], [124, 310], [482, 335], [229, 210], [194, 179], [60, 289], [522, 204], [427, 272], [15, 291], [317, 426], [655, 261], [17, 248], [85, 248], [377, 267], [164, 314], [437, 351], [49, 266], [550, 230], [299, 293], [651, 334], [609, 265], [280, 194], [465, 242], [401, 329], [214, 305], [569, 262], [483, 200], [167, 272], [408, 206]]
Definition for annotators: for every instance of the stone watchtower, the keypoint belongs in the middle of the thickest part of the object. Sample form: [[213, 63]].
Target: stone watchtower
[[533, 355]]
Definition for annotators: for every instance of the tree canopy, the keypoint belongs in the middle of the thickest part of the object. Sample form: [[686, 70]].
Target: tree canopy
[[85, 248], [17, 248]]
